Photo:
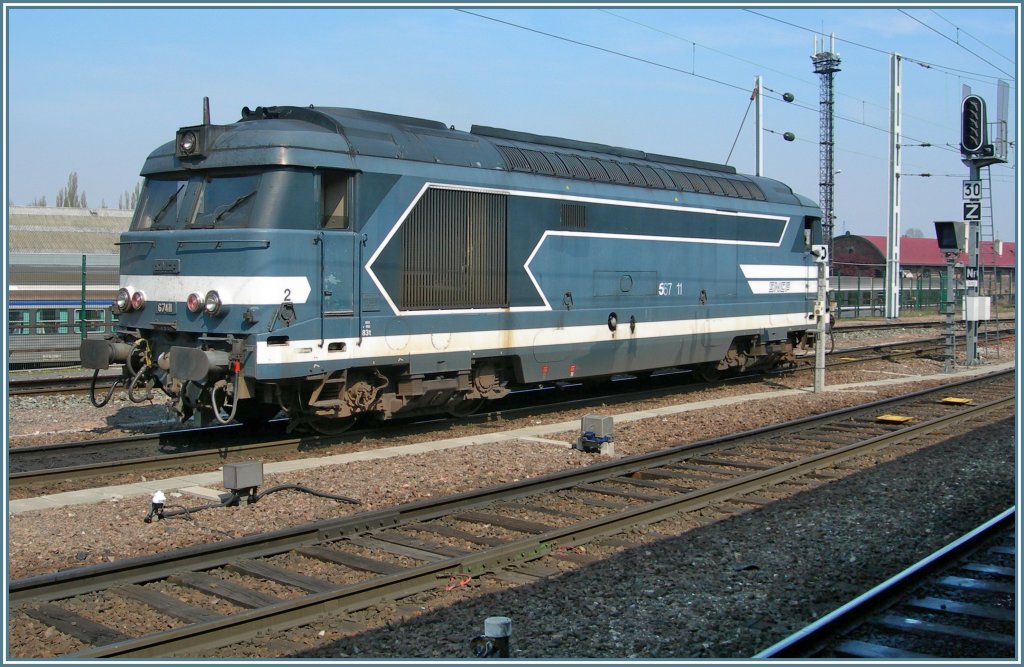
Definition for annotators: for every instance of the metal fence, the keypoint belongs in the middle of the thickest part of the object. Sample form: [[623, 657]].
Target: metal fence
[[861, 296], [53, 302]]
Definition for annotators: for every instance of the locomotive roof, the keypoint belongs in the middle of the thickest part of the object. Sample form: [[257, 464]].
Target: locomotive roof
[[286, 134]]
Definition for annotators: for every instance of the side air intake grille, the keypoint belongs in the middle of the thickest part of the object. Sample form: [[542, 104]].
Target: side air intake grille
[[571, 165], [453, 251], [514, 158], [574, 216], [538, 163], [575, 166]]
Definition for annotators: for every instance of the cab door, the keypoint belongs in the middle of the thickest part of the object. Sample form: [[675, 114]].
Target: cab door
[[338, 246]]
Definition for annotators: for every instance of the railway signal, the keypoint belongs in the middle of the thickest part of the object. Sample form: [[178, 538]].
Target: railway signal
[[973, 127], [977, 152]]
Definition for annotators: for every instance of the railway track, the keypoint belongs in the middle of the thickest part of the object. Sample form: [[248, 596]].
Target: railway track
[[74, 382], [69, 465], [33, 468], [842, 326], [512, 531], [957, 603]]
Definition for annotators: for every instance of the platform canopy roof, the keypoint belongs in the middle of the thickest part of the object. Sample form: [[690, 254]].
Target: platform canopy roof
[[75, 231]]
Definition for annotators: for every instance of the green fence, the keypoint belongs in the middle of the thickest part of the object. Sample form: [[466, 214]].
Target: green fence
[[53, 302], [862, 296]]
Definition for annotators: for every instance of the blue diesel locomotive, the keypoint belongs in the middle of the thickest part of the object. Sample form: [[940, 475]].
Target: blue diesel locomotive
[[335, 262]]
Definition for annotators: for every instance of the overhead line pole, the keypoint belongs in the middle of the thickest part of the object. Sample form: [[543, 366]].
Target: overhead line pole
[[759, 128], [892, 238], [826, 64]]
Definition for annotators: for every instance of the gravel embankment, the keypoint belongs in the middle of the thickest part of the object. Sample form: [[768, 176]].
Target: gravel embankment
[[727, 589]]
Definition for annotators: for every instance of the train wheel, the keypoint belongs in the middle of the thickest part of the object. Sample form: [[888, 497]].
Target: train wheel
[[466, 407], [329, 426], [710, 372], [301, 419]]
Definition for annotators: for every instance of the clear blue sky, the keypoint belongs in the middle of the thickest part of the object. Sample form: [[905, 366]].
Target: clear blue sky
[[95, 89]]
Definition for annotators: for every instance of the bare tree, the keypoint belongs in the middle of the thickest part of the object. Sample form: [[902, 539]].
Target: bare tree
[[69, 197], [130, 197]]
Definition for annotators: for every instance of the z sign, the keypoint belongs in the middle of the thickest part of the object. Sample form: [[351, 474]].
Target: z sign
[[972, 211]]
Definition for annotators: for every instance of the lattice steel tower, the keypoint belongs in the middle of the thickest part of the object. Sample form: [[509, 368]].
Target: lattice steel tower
[[826, 63]]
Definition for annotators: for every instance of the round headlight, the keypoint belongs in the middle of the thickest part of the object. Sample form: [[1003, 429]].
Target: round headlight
[[138, 301], [194, 303], [187, 143], [123, 300], [212, 303]]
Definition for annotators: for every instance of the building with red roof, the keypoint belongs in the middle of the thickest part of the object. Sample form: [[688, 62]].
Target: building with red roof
[[854, 255], [858, 262]]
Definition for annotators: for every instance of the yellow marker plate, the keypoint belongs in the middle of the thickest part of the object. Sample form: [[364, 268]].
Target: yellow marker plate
[[894, 419], [953, 400]]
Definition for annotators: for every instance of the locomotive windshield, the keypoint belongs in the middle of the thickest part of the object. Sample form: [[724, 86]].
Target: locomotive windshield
[[226, 201], [212, 200], [160, 205]]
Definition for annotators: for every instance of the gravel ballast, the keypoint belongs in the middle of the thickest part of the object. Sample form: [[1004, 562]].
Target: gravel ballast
[[726, 589]]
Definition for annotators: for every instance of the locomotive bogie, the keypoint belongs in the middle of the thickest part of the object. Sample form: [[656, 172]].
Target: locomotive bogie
[[348, 263]]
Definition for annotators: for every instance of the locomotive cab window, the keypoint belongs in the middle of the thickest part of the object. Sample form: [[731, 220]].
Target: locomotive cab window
[[812, 231], [226, 201], [161, 203], [334, 199]]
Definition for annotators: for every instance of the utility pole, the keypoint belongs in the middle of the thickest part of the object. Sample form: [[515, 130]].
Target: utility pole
[[893, 280], [821, 258], [758, 128], [826, 64]]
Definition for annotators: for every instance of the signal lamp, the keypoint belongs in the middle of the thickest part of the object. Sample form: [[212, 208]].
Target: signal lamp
[[194, 303], [212, 304], [138, 301], [973, 127], [950, 235], [187, 143], [123, 300]]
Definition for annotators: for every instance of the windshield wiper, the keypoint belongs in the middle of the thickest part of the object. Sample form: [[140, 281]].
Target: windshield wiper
[[163, 209], [232, 206]]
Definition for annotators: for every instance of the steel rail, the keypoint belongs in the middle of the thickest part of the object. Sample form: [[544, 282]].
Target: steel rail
[[814, 637], [96, 577], [283, 615], [223, 453], [842, 327], [45, 386], [219, 454]]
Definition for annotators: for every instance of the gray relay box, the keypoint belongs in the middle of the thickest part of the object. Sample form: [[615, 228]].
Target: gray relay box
[[599, 425], [243, 475]]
